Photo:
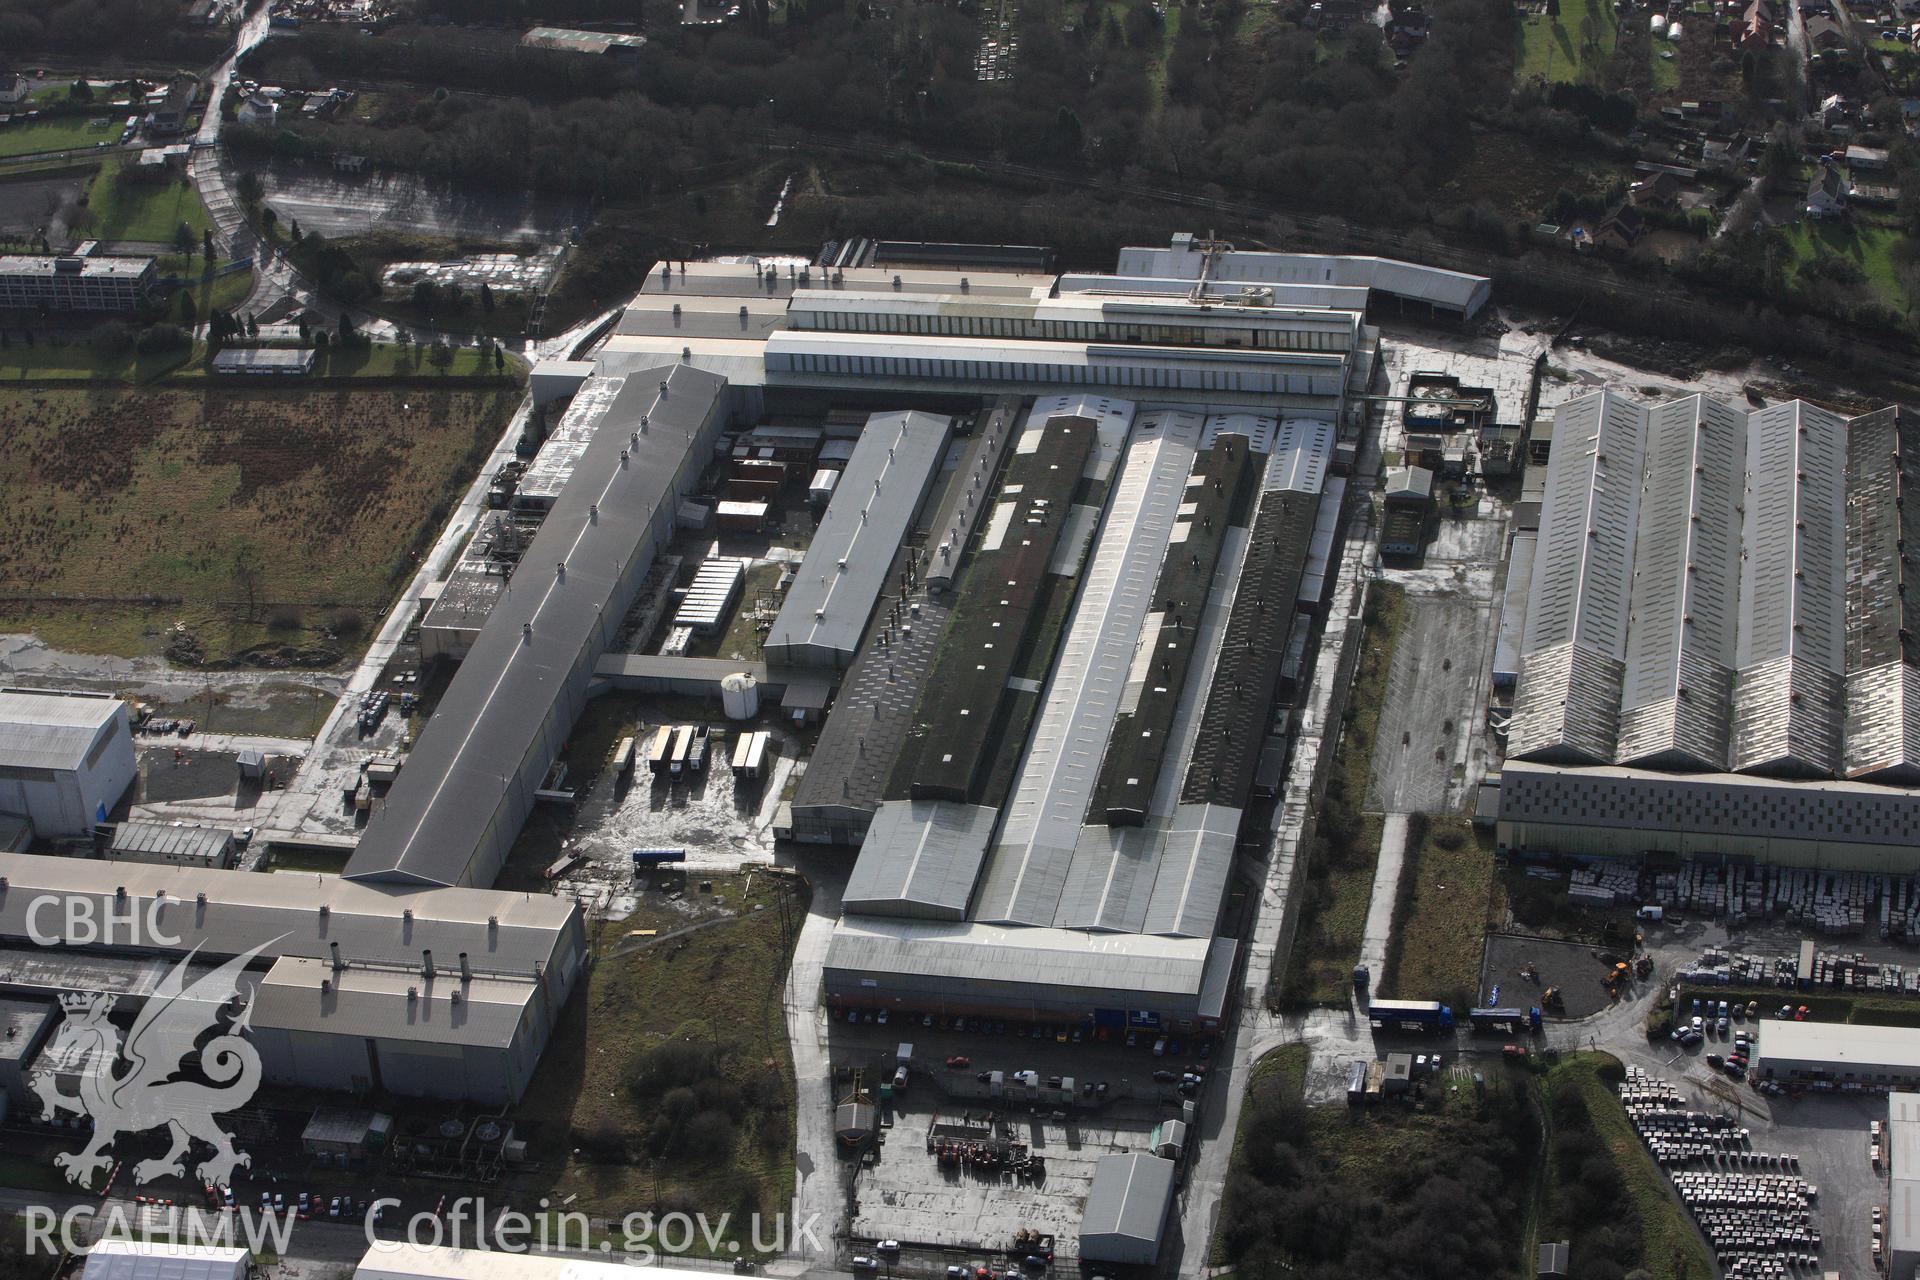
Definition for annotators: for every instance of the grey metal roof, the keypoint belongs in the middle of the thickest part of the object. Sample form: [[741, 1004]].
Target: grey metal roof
[[53, 729], [375, 1003], [1129, 1197], [920, 859], [1513, 606], [1454, 290], [508, 933], [275, 359], [847, 564], [1168, 877], [1568, 701], [690, 316], [552, 466], [1883, 613], [1903, 1160], [1677, 689], [1104, 966], [467, 774], [1029, 867], [1300, 457], [38, 265], [1787, 701], [166, 840]]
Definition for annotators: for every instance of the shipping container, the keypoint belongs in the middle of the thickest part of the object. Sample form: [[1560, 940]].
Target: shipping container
[[682, 744], [660, 751], [1410, 1015], [623, 756]]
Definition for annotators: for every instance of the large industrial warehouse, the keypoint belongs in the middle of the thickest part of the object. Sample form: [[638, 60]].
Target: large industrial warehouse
[[437, 993], [65, 758], [1718, 656]]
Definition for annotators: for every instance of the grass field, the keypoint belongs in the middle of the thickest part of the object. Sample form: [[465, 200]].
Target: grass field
[[1340, 869], [1577, 42], [1644, 1218], [1439, 925], [716, 991], [124, 210], [210, 292], [81, 363], [1866, 240], [230, 506], [57, 133]]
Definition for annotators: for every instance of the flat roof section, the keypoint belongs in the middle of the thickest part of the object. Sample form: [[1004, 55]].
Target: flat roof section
[[782, 280], [384, 1004], [846, 566], [684, 316], [296, 913], [553, 465], [1839, 1049], [470, 767]]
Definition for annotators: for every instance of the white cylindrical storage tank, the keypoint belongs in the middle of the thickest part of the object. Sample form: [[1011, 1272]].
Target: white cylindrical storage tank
[[1659, 23], [1675, 31], [740, 696]]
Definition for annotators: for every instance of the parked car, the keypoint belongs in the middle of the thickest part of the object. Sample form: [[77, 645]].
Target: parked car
[[959, 1062], [861, 1262], [888, 1246]]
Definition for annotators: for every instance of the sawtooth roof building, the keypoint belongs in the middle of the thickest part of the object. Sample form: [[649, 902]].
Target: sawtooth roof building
[[1718, 653]]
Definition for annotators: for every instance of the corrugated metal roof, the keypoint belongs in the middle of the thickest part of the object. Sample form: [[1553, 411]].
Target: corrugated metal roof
[[979, 952], [464, 776], [111, 1259], [847, 564], [1903, 1160], [1513, 607], [1568, 702], [920, 859], [1787, 700], [1677, 688], [1883, 613], [49, 729], [166, 840], [1129, 1197], [1301, 454]]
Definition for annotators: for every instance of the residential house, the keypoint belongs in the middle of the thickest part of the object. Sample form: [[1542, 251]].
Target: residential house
[[1874, 158], [1660, 191], [13, 88], [1725, 153], [1827, 193], [1619, 231], [171, 112], [1824, 34], [257, 109], [1754, 28]]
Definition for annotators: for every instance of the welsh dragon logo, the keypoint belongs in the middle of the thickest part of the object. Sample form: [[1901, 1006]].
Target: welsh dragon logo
[[131, 1087]]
